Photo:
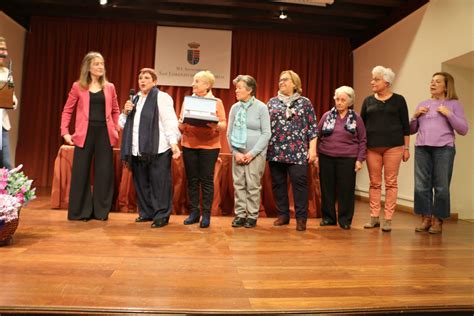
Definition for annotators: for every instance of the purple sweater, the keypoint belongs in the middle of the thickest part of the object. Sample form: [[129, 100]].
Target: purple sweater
[[435, 129], [342, 143]]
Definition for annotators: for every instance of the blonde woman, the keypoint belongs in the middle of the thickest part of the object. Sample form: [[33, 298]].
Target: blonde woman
[[292, 147], [434, 123], [96, 132], [201, 146]]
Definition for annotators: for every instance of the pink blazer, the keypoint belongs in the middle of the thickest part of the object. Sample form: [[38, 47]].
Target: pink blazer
[[79, 100]]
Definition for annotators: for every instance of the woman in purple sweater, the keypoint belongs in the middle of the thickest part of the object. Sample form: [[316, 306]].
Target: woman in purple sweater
[[341, 147], [435, 121]]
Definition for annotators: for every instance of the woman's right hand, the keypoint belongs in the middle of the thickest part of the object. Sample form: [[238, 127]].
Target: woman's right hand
[[128, 107], [421, 110], [239, 158], [68, 139], [183, 127]]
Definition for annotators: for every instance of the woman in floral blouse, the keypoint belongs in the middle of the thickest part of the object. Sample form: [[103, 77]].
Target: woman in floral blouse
[[292, 147]]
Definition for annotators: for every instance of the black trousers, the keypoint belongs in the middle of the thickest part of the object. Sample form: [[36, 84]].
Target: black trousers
[[82, 203], [154, 186], [299, 182], [337, 178], [199, 165]]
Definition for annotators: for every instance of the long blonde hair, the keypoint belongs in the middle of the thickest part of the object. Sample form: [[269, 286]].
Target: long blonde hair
[[85, 76]]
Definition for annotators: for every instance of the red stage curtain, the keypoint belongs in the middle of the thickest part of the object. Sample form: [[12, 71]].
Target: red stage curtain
[[55, 48], [54, 51]]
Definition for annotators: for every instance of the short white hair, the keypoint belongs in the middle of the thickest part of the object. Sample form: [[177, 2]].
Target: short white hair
[[207, 76], [348, 91], [387, 74]]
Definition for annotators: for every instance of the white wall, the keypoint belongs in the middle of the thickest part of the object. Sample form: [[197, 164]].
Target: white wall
[[462, 185], [415, 48], [15, 35]]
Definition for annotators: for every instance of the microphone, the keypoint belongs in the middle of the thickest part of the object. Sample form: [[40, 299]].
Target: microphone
[[131, 95]]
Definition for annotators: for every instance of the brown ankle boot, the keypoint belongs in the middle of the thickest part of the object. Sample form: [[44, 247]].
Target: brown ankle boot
[[281, 220], [436, 226], [425, 224], [301, 224]]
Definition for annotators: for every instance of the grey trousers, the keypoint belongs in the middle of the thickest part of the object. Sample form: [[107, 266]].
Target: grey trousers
[[247, 187]]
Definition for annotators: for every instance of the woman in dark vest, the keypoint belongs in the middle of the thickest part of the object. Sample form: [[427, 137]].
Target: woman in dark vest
[[149, 141]]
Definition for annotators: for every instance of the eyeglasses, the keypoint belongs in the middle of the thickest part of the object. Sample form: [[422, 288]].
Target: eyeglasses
[[283, 79]]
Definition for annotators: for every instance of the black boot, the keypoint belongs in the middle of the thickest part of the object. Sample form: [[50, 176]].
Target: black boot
[[206, 221], [193, 218]]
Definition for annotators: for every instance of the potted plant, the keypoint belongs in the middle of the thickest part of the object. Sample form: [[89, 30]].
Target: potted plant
[[15, 191]]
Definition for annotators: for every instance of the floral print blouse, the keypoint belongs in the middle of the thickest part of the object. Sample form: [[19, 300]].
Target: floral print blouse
[[292, 130]]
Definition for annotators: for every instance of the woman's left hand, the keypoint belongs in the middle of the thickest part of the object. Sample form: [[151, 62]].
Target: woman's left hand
[[214, 126], [406, 155], [176, 152], [247, 158], [358, 166], [444, 110]]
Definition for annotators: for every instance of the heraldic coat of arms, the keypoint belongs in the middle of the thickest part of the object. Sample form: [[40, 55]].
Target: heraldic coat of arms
[[193, 53]]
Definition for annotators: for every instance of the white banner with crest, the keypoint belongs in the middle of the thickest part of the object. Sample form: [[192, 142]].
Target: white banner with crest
[[181, 52]]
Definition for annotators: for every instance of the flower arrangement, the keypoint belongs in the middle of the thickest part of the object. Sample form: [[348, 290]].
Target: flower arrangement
[[15, 191]]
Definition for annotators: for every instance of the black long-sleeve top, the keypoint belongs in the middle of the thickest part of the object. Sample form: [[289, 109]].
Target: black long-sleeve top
[[386, 122]]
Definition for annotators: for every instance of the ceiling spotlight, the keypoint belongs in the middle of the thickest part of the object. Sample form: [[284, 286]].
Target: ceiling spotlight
[[103, 2], [283, 15]]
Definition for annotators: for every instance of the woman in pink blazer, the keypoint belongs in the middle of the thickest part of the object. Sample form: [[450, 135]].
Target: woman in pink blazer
[[95, 134]]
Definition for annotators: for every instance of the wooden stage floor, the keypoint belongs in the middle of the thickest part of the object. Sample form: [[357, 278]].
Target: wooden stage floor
[[120, 267]]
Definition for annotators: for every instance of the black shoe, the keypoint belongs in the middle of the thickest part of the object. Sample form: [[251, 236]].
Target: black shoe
[[250, 223], [102, 218], [325, 222], [345, 226], [301, 224], [159, 222], [85, 219], [238, 222], [167, 219], [193, 218], [140, 219], [206, 221]]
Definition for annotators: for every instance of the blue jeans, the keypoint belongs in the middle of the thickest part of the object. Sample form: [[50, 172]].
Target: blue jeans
[[5, 149], [433, 171]]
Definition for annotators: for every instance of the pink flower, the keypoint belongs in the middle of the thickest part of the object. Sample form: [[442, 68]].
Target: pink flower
[[20, 197]]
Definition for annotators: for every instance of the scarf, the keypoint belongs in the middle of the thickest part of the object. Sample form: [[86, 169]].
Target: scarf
[[288, 102], [330, 122], [148, 131], [238, 138]]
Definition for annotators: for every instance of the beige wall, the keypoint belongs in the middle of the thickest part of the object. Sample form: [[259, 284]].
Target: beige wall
[[415, 48], [462, 68], [15, 35]]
